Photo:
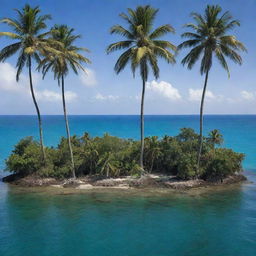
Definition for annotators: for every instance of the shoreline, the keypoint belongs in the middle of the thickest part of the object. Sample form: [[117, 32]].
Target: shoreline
[[150, 181]]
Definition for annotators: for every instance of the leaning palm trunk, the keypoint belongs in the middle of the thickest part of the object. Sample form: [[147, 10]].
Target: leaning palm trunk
[[201, 122], [67, 129], [37, 111], [142, 124]]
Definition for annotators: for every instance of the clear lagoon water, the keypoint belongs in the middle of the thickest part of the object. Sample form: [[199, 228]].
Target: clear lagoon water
[[216, 222]]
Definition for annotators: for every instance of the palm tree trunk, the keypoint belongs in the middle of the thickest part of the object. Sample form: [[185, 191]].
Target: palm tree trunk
[[142, 124], [201, 122], [37, 111], [67, 129], [152, 162]]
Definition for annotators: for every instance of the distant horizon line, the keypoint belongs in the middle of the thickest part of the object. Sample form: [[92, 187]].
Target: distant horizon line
[[130, 115]]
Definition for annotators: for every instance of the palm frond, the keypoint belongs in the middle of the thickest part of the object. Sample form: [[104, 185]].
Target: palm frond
[[222, 60], [126, 18], [161, 31], [9, 50], [165, 44], [13, 23], [192, 26], [117, 29], [119, 45], [20, 64], [189, 43], [191, 58], [191, 35], [231, 41], [165, 54], [233, 55], [123, 60], [198, 18], [154, 65], [10, 35], [231, 25]]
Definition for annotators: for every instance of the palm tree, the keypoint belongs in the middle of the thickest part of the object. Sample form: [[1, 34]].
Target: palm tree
[[108, 165], [209, 37], [152, 150], [30, 43], [142, 49], [215, 138], [67, 56]]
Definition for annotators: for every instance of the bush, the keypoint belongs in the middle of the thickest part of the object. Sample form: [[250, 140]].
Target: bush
[[223, 163], [187, 166], [25, 158]]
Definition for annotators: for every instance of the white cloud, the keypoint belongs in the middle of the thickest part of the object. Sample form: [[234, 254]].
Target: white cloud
[[196, 94], [164, 89], [51, 96], [70, 96], [99, 96], [8, 83], [8, 79], [247, 95], [135, 97], [88, 78]]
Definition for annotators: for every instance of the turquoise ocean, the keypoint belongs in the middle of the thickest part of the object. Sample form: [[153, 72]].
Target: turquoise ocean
[[219, 222]]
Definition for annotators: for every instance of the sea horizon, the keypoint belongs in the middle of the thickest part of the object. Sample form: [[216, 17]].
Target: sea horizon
[[129, 115]]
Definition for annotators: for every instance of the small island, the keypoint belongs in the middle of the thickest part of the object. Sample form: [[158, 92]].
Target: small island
[[108, 161]]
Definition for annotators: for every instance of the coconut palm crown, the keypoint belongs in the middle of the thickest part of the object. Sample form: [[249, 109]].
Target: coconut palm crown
[[29, 43], [142, 48], [67, 56], [215, 137], [28, 33], [210, 38]]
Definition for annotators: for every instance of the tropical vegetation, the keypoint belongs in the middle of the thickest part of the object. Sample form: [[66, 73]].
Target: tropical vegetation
[[110, 156]]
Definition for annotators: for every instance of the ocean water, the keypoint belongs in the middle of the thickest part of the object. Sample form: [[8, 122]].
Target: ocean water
[[219, 222]]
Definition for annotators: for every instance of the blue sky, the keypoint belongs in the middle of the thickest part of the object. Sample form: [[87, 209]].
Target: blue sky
[[177, 91]]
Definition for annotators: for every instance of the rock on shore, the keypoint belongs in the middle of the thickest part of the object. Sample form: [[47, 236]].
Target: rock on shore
[[92, 182]]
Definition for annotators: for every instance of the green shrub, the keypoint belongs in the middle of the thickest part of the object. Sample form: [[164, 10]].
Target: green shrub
[[223, 163], [187, 166], [25, 158]]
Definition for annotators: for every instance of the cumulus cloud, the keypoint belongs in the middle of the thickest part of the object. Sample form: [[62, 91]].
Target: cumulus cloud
[[88, 78], [247, 95], [196, 94], [8, 83], [8, 79], [164, 89], [100, 96]]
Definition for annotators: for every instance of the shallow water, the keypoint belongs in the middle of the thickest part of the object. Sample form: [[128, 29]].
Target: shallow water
[[220, 222], [217, 221]]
